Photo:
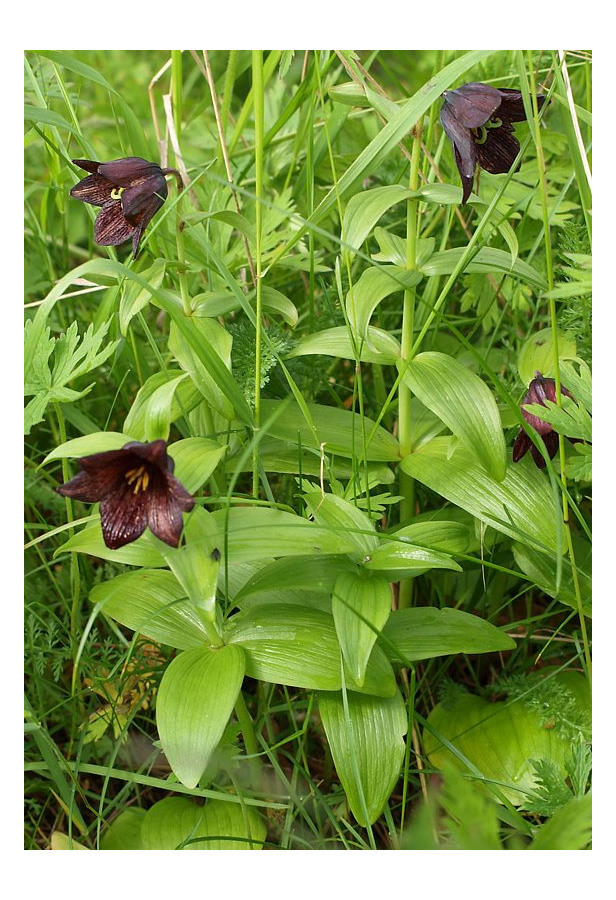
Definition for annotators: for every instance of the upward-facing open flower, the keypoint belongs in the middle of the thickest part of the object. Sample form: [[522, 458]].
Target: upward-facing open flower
[[539, 390], [130, 190], [136, 488], [477, 119]]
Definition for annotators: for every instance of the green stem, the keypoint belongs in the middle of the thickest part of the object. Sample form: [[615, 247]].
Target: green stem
[[405, 427], [259, 118], [250, 739]]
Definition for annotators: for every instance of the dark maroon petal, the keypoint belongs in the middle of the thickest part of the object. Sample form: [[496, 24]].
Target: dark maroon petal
[[102, 473], [153, 452], [537, 457], [473, 104], [497, 154], [521, 445], [512, 105], [179, 494], [165, 518], [141, 201], [89, 165], [551, 442], [110, 227], [124, 516], [94, 189], [465, 150], [128, 170], [137, 235]]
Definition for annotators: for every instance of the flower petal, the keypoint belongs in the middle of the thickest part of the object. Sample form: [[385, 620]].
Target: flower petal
[[473, 103], [110, 227], [512, 105], [465, 150], [499, 151], [521, 445], [94, 189], [89, 165], [141, 201], [102, 473], [165, 518], [127, 170], [124, 516]]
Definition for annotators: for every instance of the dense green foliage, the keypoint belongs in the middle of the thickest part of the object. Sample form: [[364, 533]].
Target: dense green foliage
[[375, 631]]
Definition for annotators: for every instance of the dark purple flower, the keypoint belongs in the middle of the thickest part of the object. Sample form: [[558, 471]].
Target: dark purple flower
[[477, 119], [539, 390], [136, 488], [130, 191]]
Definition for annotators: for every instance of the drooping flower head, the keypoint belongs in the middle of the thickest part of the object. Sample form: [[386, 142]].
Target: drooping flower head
[[136, 488], [477, 119], [539, 390], [130, 191]]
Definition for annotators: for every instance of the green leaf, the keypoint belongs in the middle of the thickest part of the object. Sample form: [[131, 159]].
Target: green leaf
[[176, 823], [196, 564], [569, 419], [202, 348], [426, 632], [399, 559], [312, 573], [570, 828], [66, 61], [367, 744], [339, 429], [487, 259], [537, 354], [41, 116], [262, 533], [521, 505], [298, 646], [195, 699], [145, 551], [195, 460], [357, 598], [153, 603], [181, 399], [375, 283], [380, 347], [464, 403], [365, 209], [124, 833], [446, 536], [97, 442], [330, 510], [135, 297], [542, 569]]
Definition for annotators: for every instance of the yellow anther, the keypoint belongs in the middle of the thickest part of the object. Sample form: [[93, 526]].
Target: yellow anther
[[116, 193], [140, 478]]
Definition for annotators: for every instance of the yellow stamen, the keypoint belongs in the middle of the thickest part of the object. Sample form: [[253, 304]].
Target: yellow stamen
[[116, 193], [139, 477]]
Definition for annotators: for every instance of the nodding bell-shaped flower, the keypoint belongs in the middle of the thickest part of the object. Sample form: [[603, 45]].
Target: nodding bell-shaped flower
[[539, 390], [136, 488], [477, 119], [130, 191]]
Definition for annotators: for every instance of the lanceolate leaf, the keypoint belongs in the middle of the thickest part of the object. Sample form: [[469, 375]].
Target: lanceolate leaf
[[299, 647], [361, 607], [153, 603], [463, 402], [521, 505], [366, 208], [177, 823], [487, 259], [425, 632], [367, 744], [379, 347], [142, 552], [335, 512], [195, 699], [374, 285]]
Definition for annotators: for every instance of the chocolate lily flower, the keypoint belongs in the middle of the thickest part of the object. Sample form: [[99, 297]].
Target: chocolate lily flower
[[477, 119], [539, 390], [136, 488], [130, 191]]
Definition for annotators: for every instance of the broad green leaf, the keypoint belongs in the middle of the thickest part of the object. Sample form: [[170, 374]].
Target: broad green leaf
[[463, 402], [153, 603], [399, 559], [356, 596], [501, 739], [340, 514], [487, 259], [367, 744], [196, 564], [124, 833], [438, 534], [219, 303], [176, 823], [157, 409], [521, 505], [537, 354], [195, 699], [339, 429], [350, 94], [97, 442], [375, 283], [195, 460], [365, 209], [425, 632], [312, 573], [183, 398], [202, 347], [570, 827], [298, 646], [134, 297], [259, 533], [379, 347], [569, 419], [145, 551]]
